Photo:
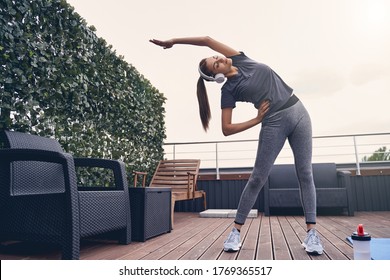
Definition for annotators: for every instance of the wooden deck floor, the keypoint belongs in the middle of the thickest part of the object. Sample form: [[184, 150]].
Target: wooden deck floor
[[195, 238]]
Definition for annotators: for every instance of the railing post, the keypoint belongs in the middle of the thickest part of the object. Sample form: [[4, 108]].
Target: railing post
[[357, 157], [174, 152], [216, 161]]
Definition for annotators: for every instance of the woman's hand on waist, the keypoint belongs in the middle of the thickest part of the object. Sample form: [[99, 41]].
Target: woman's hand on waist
[[263, 109]]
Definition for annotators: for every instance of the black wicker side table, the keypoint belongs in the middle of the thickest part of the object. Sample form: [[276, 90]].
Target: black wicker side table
[[150, 212]]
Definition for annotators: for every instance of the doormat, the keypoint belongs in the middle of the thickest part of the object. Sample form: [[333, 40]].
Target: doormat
[[224, 213]]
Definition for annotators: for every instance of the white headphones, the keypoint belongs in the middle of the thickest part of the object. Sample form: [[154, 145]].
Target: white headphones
[[219, 78]]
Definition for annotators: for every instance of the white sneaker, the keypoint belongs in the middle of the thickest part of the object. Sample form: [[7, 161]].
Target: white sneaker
[[233, 242], [312, 243]]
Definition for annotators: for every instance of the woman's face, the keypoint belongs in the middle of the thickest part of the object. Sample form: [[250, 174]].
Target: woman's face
[[219, 64]]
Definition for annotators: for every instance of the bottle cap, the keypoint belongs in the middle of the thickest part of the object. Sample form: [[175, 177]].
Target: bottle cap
[[360, 234], [360, 230]]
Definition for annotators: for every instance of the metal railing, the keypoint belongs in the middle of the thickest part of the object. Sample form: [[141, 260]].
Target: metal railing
[[341, 149]]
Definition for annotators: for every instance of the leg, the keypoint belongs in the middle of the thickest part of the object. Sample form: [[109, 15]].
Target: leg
[[301, 143], [172, 209], [204, 200], [270, 143]]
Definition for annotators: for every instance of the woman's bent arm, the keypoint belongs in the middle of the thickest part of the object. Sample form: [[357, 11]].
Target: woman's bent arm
[[229, 128]]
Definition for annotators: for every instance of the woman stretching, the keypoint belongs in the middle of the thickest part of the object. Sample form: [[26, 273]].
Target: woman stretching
[[282, 114]]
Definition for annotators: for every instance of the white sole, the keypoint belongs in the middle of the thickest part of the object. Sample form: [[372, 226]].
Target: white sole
[[235, 249], [317, 251]]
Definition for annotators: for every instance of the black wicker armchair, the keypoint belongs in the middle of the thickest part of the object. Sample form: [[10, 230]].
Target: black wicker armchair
[[40, 200]]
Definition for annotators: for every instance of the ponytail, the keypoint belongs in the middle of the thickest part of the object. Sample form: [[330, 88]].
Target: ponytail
[[204, 106]]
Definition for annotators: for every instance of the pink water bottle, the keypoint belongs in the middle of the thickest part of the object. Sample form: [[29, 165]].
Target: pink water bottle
[[361, 244]]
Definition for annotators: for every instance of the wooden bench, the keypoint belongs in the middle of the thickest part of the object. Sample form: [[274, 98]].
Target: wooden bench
[[181, 176]]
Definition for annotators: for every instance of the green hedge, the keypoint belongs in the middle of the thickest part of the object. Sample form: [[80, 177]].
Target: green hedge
[[59, 79]]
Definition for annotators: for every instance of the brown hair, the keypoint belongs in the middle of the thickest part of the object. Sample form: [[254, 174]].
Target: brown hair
[[203, 100]]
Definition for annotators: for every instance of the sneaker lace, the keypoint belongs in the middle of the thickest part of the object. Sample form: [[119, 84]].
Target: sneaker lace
[[314, 238], [231, 238]]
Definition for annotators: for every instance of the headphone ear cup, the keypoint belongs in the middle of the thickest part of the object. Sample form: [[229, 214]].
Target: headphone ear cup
[[219, 78]]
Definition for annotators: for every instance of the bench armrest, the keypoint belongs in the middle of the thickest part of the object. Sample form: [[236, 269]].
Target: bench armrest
[[191, 176], [138, 173]]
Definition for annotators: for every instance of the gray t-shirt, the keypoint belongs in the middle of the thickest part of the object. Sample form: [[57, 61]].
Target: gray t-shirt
[[254, 82]]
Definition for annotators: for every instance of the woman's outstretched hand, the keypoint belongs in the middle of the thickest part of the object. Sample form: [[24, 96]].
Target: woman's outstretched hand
[[263, 109], [165, 44]]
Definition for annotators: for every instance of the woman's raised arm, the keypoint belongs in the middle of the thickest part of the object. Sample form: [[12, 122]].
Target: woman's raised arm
[[204, 41]]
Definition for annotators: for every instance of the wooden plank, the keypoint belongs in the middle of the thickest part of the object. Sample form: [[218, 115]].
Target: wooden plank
[[369, 222], [216, 248], [173, 163], [176, 168], [264, 248], [137, 250], [293, 239], [144, 250], [340, 249], [180, 162], [299, 226], [280, 248], [380, 229], [335, 248], [298, 251], [169, 181], [212, 234], [249, 247], [173, 172], [197, 236], [161, 251]]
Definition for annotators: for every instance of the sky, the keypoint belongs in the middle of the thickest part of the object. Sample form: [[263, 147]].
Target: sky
[[335, 54]]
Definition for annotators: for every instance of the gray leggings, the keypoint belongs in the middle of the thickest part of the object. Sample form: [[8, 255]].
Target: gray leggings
[[293, 124]]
